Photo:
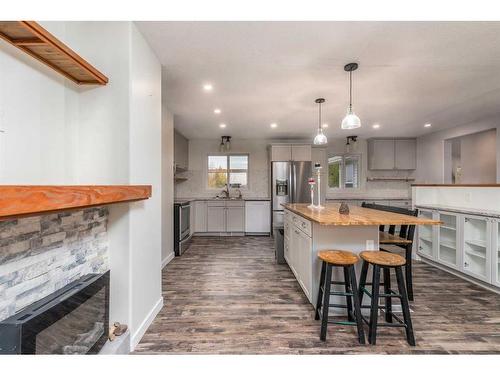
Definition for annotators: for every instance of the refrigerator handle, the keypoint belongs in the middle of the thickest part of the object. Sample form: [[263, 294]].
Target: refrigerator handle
[[294, 181], [290, 184]]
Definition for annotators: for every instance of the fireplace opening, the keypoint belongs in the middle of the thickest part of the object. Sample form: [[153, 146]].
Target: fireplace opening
[[72, 320]]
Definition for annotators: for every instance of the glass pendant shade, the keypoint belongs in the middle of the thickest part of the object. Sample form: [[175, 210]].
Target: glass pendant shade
[[351, 121], [320, 138]]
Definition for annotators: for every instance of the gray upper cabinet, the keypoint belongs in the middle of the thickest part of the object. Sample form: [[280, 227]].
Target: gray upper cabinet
[[405, 151], [287, 152], [392, 153], [181, 151]]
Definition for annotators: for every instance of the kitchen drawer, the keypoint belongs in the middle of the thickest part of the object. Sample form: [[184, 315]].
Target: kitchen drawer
[[235, 203], [216, 204], [303, 224]]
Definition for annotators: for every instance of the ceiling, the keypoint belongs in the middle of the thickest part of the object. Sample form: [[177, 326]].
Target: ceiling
[[410, 73]]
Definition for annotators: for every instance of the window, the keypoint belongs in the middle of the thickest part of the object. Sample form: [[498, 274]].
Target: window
[[344, 171], [223, 169]]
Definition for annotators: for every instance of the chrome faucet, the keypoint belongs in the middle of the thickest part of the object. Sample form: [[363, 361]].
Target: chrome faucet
[[226, 190]]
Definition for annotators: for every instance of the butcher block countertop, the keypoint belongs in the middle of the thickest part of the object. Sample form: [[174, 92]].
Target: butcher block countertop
[[357, 216]]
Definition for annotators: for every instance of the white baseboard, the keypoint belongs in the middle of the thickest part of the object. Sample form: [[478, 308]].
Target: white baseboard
[[137, 336], [167, 260]]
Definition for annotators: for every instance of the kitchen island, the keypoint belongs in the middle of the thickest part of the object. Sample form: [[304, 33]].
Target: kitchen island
[[308, 231]]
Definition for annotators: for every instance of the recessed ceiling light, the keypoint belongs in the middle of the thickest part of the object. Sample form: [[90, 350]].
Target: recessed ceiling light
[[274, 125], [222, 126], [427, 125], [208, 87], [375, 126], [217, 111], [324, 126]]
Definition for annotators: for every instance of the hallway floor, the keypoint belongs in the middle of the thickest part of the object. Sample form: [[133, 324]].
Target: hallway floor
[[228, 296]]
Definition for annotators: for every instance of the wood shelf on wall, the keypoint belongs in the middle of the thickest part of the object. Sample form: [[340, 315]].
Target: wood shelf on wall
[[30, 200], [37, 42]]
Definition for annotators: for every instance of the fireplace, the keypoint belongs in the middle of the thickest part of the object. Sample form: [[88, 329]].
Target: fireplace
[[72, 320]]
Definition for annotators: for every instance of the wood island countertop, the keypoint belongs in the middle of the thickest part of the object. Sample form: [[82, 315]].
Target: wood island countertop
[[357, 216]]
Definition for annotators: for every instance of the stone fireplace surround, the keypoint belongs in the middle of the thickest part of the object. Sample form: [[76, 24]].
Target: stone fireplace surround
[[41, 254]]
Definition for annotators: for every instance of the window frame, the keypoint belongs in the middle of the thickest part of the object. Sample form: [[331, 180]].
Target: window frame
[[342, 172], [227, 155]]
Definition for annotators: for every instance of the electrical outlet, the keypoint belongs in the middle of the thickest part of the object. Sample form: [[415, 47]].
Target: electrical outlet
[[370, 245]]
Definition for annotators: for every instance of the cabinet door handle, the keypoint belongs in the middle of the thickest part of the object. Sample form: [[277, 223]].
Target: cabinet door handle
[[466, 264]]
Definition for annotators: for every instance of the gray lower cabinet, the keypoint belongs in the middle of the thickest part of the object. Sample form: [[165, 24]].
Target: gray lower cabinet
[[199, 215], [216, 219], [235, 219]]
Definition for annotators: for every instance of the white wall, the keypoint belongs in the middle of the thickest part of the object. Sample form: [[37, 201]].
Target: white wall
[[430, 150], [167, 172], [369, 189], [478, 157], [59, 133], [199, 149]]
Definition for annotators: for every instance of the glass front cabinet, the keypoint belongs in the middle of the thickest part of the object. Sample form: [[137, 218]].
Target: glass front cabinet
[[495, 266], [467, 243], [476, 242], [427, 235]]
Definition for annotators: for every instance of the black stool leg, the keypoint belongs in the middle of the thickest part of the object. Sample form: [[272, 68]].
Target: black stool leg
[[362, 281], [320, 293], [348, 300], [387, 290], [326, 301], [408, 272], [357, 305], [405, 306], [372, 335]]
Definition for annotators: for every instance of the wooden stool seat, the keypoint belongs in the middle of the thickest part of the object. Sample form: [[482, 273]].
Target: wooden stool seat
[[338, 257], [390, 239], [382, 258]]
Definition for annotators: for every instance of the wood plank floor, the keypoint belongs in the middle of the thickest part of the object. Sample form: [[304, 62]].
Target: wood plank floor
[[228, 296]]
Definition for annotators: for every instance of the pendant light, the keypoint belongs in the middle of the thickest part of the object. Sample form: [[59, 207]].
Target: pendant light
[[320, 138], [350, 121]]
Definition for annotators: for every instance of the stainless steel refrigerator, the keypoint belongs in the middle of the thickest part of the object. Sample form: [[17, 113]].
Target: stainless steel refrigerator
[[289, 181]]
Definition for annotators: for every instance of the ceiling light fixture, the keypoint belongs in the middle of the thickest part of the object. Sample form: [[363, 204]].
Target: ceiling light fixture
[[222, 126], [217, 111], [320, 138], [274, 125], [350, 121], [375, 126], [208, 87], [225, 143], [427, 125]]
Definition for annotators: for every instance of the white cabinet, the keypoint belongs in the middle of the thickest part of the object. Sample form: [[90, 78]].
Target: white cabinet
[[216, 218], [392, 153], [287, 152], [200, 216], [495, 247], [301, 152], [427, 236], [465, 242], [181, 151], [235, 219], [298, 251], [448, 249], [257, 216], [225, 216], [476, 242], [281, 153]]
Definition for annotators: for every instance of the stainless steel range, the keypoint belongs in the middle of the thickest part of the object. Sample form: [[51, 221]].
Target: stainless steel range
[[182, 231]]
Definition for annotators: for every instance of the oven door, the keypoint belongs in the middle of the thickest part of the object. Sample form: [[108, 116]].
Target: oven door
[[184, 221]]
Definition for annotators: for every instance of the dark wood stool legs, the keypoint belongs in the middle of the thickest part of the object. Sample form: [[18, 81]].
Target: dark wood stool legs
[[388, 294], [408, 272], [352, 305]]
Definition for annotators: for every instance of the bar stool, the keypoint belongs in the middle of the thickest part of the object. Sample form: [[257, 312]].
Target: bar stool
[[385, 261], [346, 260]]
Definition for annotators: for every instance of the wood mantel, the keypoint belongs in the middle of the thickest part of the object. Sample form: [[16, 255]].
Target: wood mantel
[[29, 200]]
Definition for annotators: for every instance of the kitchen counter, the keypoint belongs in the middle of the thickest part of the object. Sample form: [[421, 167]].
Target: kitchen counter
[[461, 210], [308, 231], [357, 216], [180, 200]]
